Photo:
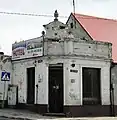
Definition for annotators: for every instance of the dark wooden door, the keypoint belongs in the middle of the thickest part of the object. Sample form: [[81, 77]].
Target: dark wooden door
[[56, 89], [30, 85], [91, 86]]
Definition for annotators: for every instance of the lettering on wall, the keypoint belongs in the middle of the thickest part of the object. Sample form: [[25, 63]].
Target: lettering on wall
[[40, 78]]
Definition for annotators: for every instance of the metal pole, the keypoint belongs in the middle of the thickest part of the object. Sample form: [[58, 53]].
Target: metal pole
[[43, 33], [74, 12], [4, 94], [74, 6], [43, 45]]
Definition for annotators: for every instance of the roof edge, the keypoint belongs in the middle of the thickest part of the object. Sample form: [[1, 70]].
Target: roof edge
[[80, 25], [97, 17]]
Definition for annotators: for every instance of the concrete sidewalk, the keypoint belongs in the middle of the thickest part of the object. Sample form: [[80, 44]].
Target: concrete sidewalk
[[22, 115], [27, 115]]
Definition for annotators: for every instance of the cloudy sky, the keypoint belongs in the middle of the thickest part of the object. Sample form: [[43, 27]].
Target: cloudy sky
[[15, 28]]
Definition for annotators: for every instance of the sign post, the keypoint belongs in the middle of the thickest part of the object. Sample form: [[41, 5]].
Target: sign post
[[5, 76]]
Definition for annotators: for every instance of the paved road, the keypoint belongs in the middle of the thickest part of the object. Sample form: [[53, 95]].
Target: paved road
[[2, 118]]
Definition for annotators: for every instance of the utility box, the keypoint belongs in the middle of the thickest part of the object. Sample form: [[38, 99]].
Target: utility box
[[12, 95]]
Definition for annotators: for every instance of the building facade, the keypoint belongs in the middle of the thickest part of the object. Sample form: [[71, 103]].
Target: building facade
[[98, 29], [61, 73], [6, 77]]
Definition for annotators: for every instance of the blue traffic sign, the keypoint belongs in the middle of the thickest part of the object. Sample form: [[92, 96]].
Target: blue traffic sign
[[5, 76]]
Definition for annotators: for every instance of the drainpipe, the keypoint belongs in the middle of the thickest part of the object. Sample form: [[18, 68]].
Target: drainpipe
[[36, 93], [112, 93]]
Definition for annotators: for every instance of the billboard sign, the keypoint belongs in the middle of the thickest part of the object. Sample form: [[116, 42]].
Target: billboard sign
[[27, 49], [18, 50], [34, 48]]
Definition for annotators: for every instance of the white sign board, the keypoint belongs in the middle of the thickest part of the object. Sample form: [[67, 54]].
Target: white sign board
[[34, 48]]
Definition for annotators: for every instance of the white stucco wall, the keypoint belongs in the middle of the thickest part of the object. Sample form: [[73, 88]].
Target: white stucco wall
[[72, 91], [20, 79], [41, 72], [92, 49], [75, 89]]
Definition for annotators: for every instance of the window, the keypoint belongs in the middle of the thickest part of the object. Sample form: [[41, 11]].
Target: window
[[71, 25], [62, 27], [91, 86]]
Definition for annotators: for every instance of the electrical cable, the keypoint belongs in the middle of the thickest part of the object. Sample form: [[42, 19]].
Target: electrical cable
[[45, 15], [30, 14]]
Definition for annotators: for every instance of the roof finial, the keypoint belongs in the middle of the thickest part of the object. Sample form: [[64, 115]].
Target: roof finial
[[56, 15]]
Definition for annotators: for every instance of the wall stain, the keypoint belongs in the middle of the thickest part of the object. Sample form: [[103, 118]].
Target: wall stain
[[73, 96]]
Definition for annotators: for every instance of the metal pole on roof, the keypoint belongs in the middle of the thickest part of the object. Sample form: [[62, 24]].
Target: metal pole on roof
[[74, 6], [74, 12]]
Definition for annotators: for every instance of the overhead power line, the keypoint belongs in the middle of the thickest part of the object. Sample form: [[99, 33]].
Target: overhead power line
[[30, 14], [45, 15]]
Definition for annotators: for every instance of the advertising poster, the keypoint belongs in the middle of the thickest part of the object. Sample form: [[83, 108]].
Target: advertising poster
[[34, 48], [18, 50]]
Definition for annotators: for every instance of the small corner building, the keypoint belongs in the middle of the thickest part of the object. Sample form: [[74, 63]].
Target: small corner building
[[64, 71]]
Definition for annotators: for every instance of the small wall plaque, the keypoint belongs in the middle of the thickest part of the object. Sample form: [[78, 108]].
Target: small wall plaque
[[75, 71]]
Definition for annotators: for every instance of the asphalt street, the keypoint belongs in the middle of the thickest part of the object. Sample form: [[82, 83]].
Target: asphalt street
[[2, 118]]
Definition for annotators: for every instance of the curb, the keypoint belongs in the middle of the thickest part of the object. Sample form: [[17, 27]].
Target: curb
[[17, 118]]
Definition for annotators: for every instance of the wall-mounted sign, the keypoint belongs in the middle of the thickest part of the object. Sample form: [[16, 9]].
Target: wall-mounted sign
[[75, 71], [27, 49], [34, 48], [18, 50], [5, 76]]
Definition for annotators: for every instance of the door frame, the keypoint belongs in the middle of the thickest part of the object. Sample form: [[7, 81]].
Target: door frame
[[100, 82], [27, 83], [55, 65]]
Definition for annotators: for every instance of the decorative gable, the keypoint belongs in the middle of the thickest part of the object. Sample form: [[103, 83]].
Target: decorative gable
[[56, 29], [77, 29]]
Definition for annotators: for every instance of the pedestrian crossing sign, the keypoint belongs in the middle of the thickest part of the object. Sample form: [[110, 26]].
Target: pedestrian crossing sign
[[5, 76]]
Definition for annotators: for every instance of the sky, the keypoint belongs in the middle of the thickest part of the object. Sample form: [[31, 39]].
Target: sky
[[16, 28]]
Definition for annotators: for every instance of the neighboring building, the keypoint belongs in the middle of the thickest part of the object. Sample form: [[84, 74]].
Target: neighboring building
[[62, 73], [98, 29], [6, 76]]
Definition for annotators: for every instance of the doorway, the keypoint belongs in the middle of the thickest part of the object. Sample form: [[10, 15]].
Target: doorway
[[30, 85], [56, 88], [91, 86]]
